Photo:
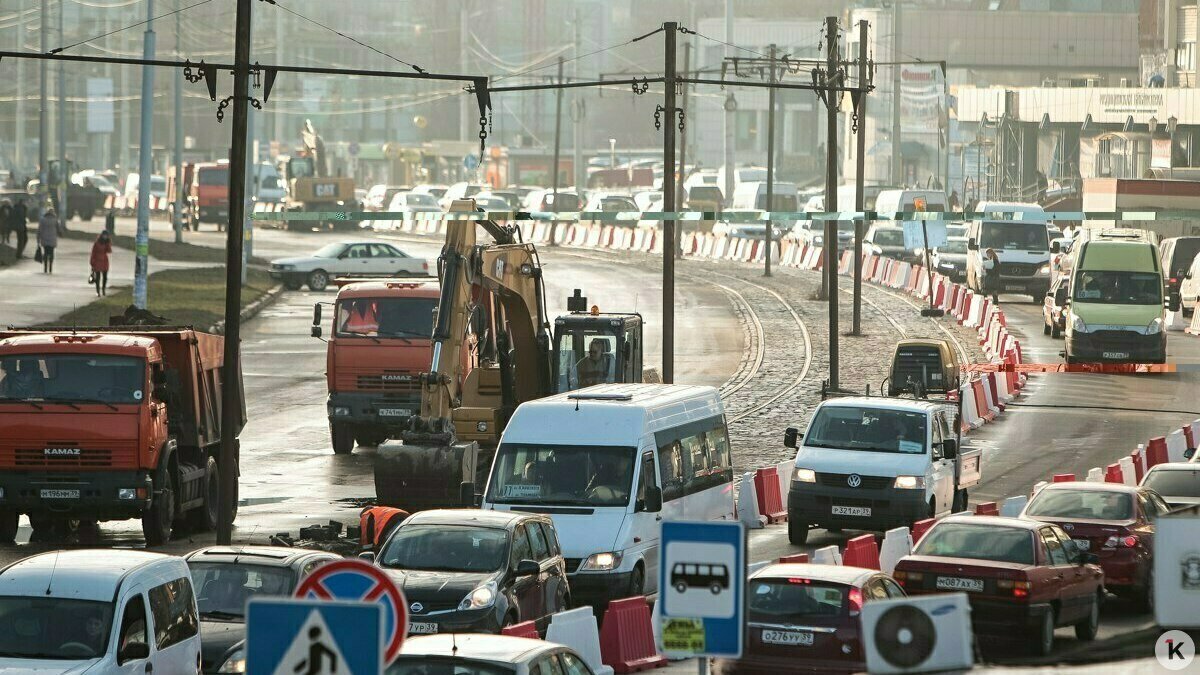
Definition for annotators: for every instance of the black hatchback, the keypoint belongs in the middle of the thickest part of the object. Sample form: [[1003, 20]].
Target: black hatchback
[[475, 571]]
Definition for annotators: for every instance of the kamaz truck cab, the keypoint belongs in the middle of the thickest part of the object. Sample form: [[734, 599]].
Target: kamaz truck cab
[[592, 348]]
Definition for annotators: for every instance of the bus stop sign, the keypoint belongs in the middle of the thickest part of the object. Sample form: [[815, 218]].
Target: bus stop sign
[[701, 589]]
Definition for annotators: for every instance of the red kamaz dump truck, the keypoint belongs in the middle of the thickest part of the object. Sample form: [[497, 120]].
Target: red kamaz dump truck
[[111, 423]]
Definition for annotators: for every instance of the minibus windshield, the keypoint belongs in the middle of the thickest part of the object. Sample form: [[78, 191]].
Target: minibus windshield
[[564, 475], [1118, 288]]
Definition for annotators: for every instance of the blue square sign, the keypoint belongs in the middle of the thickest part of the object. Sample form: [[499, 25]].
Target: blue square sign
[[701, 589], [289, 636]]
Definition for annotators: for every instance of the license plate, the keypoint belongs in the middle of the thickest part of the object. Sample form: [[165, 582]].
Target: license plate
[[1116, 355], [787, 637], [959, 584], [1082, 544], [1014, 287], [851, 510], [395, 412], [422, 628], [60, 494]]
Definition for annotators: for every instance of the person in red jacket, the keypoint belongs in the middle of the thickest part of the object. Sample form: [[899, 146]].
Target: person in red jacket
[[101, 249]]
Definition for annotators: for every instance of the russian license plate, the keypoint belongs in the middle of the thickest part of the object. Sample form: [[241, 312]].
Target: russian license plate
[[1082, 544], [851, 510], [395, 412], [60, 494], [1014, 287], [787, 637], [422, 628], [1116, 355], [959, 584]]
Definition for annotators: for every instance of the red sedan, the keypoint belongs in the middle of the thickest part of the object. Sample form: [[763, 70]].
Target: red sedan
[[1023, 578], [1112, 520], [805, 618]]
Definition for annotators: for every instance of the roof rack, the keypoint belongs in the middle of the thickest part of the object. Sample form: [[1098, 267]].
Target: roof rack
[[584, 396]]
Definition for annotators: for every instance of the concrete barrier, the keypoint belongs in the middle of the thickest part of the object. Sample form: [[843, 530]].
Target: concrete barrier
[[1128, 475], [747, 504], [1112, 474], [1156, 452], [794, 558], [919, 529], [828, 555], [576, 628], [1094, 475], [987, 509], [1176, 446], [766, 488], [1063, 478]]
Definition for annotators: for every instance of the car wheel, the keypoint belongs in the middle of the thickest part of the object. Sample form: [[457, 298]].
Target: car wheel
[[1042, 641], [370, 438], [342, 437], [293, 284], [1086, 630], [159, 519], [204, 517], [797, 532], [318, 280], [637, 582], [8, 525]]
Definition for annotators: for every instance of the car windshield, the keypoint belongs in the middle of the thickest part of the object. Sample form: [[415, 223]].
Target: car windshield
[[565, 201], [37, 627], [446, 665], [794, 600], [214, 176], [953, 246], [329, 251], [225, 588], [1118, 288], [386, 317], [446, 548], [419, 199], [1175, 483], [869, 429], [569, 475], [1014, 235], [269, 183], [980, 542], [1094, 504], [889, 237], [78, 378], [784, 202]]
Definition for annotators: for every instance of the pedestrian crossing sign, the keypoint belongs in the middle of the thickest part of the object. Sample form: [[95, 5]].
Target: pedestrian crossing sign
[[288, 636]]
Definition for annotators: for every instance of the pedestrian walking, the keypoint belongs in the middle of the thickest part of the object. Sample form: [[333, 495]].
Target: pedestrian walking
[[991, 274], [101, 249], [6, 221], [49, 228], [18, 222]]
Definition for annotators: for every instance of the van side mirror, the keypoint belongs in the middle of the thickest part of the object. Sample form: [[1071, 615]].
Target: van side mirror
[[317, 314], [950, 448], [528, 568], [972, 245], [1055, 247], [133, 651], [368, 556], [790, 436]]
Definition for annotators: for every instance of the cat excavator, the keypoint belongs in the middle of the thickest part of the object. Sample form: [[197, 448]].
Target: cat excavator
[[493, 305]]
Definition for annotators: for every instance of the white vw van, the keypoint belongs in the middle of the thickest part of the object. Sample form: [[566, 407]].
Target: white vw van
[[607, 464]]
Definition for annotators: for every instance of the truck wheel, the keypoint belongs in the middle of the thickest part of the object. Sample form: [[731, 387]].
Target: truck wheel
[[159, 519], [797, 532], [318, 280], [205, 517], [342, 436], [8, 525], [369, 437]]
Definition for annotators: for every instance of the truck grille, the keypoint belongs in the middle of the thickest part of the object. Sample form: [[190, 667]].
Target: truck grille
[[868, 482], [66, 457], [390, 382], [1015, 269]]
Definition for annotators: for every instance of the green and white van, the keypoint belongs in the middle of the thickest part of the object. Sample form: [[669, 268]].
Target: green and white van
[[1116, 308]]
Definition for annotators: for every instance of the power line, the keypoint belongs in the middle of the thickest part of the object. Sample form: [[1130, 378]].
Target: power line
[[581, 56], [133, 25], [356, 41], [688, 31]]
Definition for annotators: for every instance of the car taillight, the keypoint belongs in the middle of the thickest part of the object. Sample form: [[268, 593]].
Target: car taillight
[[903, 577], [1019, 589], [1128, 541], [855, 601], [1174, 280]]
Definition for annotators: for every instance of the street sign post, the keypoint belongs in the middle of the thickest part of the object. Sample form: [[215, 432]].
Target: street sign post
[[359, 581], [701, 589], [289, 636]]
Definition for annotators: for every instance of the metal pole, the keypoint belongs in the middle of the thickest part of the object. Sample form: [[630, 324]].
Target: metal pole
[[63, 172], [831, 174], [19, 150], [558, 97], [681, 194], [231, 393], [859, 179], [897, 158], [670, 30], [145, 167], [579, 177], [43, 121], [730, 120], [178, 159], [770, 161], [946, 116]]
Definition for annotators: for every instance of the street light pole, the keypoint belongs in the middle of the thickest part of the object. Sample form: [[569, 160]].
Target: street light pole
[[859, 179], [63, 174], [178, 158], [43, 121], [897, 158], [831, 173], [670, 29], [145, 166], [770, 160]]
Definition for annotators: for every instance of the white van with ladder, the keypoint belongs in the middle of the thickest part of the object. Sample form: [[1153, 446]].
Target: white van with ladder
[[608, 463]]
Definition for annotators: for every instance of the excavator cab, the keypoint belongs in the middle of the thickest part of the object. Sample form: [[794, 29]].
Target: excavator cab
[[592, 348]]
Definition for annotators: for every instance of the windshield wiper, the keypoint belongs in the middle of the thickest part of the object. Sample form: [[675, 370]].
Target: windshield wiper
[[72, 401], [20, 400]]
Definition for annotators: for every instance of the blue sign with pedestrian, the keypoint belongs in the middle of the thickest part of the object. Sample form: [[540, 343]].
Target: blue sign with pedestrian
[[470, 162], [701, 589], [288, 636]]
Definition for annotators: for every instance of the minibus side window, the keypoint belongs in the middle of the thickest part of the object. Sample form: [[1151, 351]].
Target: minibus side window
[[671, 466]]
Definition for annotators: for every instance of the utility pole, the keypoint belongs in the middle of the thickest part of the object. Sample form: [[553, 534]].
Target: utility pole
[[579, 177], [681, 193], [671, 29], [859, 180], [231, 394], [145, 167], [897, 157], [831, 173], [19, 151], [63, 174], [43, 121], [178, 158], [770, 160], [558, 97], [730, 121]]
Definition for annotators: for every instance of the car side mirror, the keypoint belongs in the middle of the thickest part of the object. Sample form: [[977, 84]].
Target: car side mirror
[[1089, 559], [133, 651], [528, 568], [790, 437], [653, 502], [972, 245], [1055, 247], [950, 448], [368, 556]]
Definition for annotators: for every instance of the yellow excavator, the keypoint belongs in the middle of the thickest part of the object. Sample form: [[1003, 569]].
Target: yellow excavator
[[492, 351]]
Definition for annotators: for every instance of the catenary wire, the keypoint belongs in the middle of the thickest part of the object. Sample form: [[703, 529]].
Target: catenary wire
[[56, 50], [356, 41]]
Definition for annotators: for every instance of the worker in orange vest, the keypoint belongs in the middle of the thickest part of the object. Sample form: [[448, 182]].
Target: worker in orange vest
[[361, 318]]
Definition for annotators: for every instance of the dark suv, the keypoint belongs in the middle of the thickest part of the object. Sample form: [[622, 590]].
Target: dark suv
[[475, 571]]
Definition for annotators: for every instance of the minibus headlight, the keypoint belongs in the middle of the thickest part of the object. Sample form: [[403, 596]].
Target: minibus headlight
[[601, 562], [1044, 270], [804, 475], [1154, 327], [1077, 324]]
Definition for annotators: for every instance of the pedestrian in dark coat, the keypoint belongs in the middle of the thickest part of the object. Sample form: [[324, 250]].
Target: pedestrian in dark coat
[[18, 222], [49, 228]]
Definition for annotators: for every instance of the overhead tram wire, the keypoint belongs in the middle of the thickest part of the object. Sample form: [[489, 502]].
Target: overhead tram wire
[[57, 50], [355, 40], [581, 56]]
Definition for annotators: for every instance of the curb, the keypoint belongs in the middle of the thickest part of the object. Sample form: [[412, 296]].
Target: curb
[[250, 311]]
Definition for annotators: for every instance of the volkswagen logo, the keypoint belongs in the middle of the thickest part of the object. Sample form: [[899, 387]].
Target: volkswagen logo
[[854, 480], [416, 608]]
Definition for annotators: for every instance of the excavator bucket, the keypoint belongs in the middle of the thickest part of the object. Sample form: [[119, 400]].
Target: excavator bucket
[[416, 477]]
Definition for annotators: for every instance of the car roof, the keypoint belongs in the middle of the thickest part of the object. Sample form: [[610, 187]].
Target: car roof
[[1085, 486], [81, 574], [1175, 466], [271, 556], [883, 402], [484, 517], [838, 574], [496, 648], [997, 521]]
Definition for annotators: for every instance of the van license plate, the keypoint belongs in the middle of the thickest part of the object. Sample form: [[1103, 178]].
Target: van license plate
[[851, 510], [1116, 355], [395, 412], [60, 494], [422, 628], [787, 637], [959, 584]]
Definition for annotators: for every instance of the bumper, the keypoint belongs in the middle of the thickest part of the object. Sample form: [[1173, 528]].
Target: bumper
[[998, 618], [212, 214], [1123, 569], [1117, 347], [598, 588], [468, 621], [813, 504], [30, 492], [1035, 286], [750, 664], [368, 409]]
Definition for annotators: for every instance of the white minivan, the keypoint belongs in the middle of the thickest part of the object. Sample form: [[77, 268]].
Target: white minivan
[[110, 611], [608, 463]]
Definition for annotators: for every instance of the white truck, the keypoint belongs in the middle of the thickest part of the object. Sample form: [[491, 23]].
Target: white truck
[[874, 463]]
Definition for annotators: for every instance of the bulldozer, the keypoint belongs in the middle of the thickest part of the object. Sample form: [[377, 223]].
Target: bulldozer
[[311, 188], [492, 299]]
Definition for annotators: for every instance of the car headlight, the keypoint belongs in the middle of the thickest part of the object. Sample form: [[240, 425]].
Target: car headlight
[[236, 663], [602, 562], [341, 411], [1154, 327], [122, 493], [910, 482], [804, 475], [1044, 270], [1077, 324], [484, 596], [818, 239]]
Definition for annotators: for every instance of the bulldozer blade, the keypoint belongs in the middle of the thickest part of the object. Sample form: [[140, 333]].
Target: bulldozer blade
[[416, 477]]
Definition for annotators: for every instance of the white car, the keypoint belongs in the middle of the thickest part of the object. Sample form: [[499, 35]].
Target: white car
[[479, 653], [111, 611], [348, 258], [407, 204]]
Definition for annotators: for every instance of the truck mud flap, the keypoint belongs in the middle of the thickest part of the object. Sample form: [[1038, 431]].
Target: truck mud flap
[[419, 477], [190, 486]]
